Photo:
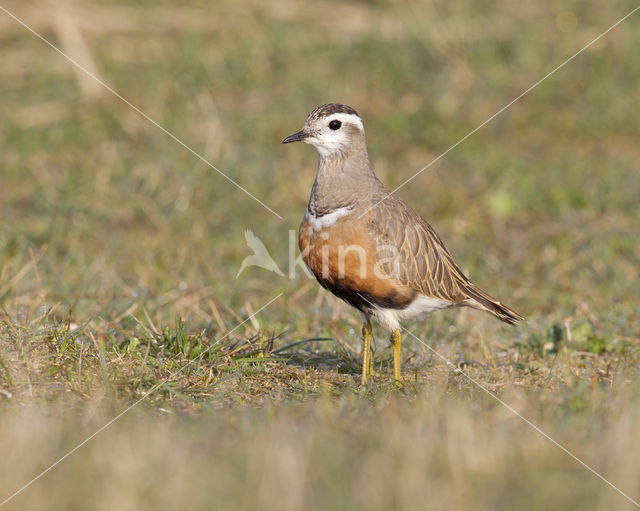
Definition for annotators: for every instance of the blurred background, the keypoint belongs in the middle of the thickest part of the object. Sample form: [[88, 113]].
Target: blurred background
[[119, 247]]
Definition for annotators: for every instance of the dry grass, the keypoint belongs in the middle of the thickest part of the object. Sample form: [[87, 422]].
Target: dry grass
[[439, 451], [119, 252]]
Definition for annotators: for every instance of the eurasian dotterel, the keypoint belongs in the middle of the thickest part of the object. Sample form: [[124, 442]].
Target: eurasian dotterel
[[367, 246]]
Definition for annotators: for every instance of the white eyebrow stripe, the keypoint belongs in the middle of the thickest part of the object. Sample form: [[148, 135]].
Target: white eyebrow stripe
[[347, 119]]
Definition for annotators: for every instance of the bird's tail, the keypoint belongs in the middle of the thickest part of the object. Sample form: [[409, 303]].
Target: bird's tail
[[484, 301]]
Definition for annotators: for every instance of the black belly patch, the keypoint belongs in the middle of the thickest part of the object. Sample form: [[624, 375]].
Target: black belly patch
[[363, 301]]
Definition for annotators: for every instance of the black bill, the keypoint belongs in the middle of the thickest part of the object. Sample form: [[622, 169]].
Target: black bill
[[296, 137]]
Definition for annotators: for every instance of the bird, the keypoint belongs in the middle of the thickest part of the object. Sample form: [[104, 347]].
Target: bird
[[260, 256], [368, 247]]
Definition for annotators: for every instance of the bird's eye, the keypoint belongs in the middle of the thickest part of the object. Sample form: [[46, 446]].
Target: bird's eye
[[335, 125]]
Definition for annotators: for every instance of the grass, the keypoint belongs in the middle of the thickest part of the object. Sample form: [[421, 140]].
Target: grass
[[119, 252]]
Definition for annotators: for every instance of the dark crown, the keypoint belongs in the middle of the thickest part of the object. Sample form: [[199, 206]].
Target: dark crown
[[330, 109]]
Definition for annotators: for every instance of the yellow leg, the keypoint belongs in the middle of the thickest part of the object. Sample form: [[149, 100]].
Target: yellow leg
[[367, 364], [396, 341]]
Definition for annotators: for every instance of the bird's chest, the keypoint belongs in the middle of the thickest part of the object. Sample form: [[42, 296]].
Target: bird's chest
[[328, 242], [343, 256]]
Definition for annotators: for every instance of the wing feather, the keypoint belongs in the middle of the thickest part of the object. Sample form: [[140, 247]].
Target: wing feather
[[422, 262]]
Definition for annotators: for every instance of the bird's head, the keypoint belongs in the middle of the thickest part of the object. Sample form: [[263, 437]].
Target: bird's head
[[332, 129]]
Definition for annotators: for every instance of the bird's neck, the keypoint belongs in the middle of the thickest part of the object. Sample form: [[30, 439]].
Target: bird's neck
[[342, 180]]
